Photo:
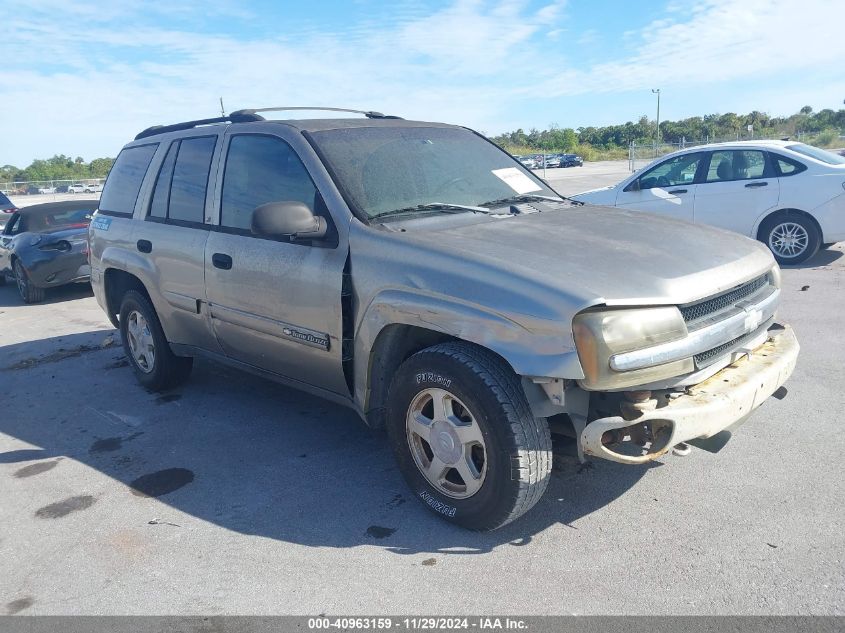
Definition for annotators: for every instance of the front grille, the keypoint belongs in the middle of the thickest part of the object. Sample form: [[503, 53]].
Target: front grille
[[702, 359], [702, 309]]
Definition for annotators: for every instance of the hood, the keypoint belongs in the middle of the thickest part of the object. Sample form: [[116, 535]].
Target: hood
[[602, 195], [607, 255]]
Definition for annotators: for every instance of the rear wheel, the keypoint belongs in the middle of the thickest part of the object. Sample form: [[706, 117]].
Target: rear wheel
[[156, 366], [464, 436], [793, 238], [28, 292]]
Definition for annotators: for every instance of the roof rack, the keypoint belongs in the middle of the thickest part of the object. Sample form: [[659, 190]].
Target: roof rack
[[370, 114], [248, 115], [242, 116]]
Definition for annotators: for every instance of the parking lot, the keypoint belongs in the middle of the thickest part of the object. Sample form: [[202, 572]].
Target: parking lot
[[262, 500]]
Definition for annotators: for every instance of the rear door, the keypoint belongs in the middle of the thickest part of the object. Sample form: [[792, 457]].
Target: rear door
[[173, 236], [275, 303], [738, 187], [667, 189]]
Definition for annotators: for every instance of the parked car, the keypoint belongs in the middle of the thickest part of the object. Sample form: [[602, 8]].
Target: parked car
[[527, 162], [76, 188], [46, 190], [420, 275], [7, 208], [788, 195], [571, 160], [552, 161], [45, 245], [62, 189], [96, 188]]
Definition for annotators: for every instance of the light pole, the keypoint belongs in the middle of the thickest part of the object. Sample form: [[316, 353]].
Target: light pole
[[657, 92]]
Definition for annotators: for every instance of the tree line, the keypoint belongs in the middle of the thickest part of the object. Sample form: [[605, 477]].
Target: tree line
[[59, 167], [822, 128]]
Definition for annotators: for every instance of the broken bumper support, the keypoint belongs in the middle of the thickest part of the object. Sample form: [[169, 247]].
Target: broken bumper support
[[724, 400]]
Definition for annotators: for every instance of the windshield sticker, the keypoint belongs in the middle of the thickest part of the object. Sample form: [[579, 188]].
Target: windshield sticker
[[101, 223], [516, 180]]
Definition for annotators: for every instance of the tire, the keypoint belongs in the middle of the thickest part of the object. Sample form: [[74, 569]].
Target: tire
[[28, 292], [792, 237], [156, 366], [507, 459]]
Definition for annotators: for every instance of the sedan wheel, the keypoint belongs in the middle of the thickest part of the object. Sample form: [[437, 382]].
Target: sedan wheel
[[792, 238], [788, 239]]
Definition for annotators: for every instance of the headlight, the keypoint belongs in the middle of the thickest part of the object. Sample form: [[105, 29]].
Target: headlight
[[35, 240], [602, 333]]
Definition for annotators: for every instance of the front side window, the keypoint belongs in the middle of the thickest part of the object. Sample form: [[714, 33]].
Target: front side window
[[261, 169], [675, 171], [125, 178], [728, 165], [190, 179]]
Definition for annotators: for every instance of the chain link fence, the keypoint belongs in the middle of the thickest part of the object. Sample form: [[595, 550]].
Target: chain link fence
[[52, 187]]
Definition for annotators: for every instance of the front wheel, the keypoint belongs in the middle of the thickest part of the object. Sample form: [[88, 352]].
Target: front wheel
[[156, 366], [791, 237], [465, 438]]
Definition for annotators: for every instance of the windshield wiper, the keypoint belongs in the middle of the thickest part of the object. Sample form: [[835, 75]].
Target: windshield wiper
[[444, 207], [526, 197]]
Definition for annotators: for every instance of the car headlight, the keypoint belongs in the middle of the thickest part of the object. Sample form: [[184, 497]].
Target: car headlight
[[35, 240], [599, 334]]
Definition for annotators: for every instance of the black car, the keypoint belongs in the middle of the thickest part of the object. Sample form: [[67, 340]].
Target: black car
[[571, 160], [7, 208], [46, 245]]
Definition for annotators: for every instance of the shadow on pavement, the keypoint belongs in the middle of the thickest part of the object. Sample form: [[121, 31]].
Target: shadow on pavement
[[250, 455], [10, 296]]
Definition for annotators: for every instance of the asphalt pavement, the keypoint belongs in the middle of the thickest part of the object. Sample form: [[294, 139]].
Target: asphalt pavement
[[233, 495]]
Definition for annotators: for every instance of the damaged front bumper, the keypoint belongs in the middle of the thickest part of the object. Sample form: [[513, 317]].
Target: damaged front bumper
[[724, 400]]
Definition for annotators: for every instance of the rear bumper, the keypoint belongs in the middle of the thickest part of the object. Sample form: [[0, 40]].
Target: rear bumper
[[724, 400]]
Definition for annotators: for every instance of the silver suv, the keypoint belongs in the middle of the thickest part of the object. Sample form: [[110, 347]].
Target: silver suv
[[420, 275]]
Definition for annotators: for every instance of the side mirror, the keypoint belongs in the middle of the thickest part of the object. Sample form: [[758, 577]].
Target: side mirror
[[288, 219]]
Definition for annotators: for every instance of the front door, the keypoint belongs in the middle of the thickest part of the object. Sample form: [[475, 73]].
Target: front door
[[274, 304], [666, 189]]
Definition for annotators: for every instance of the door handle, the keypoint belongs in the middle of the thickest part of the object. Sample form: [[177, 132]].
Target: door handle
[[678, 191], [756, 184], [221, 260], [145, 246]]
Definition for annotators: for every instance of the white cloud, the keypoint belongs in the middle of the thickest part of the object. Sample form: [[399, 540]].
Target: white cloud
[[87, 90]]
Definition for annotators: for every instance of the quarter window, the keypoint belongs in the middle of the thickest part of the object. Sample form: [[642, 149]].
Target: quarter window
[[261, 169], [675, 171], [125, 178], [786, 166], [736, 165]]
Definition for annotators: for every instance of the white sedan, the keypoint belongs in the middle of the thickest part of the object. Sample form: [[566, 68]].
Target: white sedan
[[788, 195]]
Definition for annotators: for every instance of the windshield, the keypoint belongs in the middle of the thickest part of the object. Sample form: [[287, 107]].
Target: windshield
[[819, 154], [383, 169]]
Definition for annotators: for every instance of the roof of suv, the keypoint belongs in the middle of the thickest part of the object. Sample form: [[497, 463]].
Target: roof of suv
[[372, 119]]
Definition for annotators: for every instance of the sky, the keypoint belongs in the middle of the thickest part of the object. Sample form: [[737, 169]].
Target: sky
[[82, 78]]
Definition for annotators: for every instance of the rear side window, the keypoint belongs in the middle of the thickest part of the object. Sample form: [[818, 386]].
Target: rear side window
[[161, 192], [261, 169], [4, 201], [190, 179], [182, 181], [729, 165], [125, 178]]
